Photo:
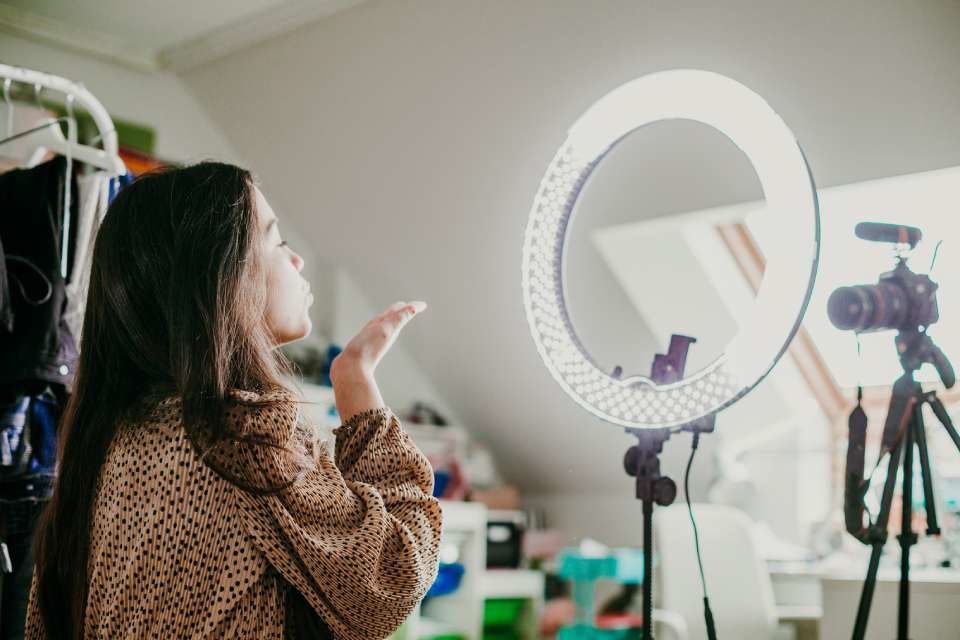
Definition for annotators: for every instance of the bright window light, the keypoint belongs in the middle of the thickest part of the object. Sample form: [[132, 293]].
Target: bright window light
[[790, 197]]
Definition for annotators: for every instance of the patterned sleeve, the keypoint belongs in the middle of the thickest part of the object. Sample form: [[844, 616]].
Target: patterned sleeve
[[358, 534], [33, 629]]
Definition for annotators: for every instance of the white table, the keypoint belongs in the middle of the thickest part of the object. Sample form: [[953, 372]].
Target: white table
[[799, 597], [934, 605], [807, 588]]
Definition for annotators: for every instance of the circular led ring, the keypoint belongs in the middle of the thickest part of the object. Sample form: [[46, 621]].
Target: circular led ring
[[766, 331]]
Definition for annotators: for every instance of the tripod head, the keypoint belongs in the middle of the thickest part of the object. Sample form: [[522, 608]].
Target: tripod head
[[916, 348]]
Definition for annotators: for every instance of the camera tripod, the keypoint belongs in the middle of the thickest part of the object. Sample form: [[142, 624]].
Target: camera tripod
[[904, 428]]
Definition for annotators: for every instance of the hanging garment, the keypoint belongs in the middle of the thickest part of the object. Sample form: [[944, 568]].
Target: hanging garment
[[40, 346], [28, 439], [94, 191], [6, 307], [28, 445], [18, 521], [14, 441], [117, 183]]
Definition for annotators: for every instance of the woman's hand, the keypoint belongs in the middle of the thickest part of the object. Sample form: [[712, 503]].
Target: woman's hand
[[351, 372]]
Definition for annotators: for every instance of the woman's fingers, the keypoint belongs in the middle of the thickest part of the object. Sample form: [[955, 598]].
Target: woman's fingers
[[379, 334], [391, 309], [400, 311], [396, 306], [400, 314]]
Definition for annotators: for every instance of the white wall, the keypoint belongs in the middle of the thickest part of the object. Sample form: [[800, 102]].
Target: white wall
[[408, 138], [400, 379]]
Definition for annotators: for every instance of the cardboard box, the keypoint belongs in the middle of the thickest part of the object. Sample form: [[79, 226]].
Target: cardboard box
[[505, 497]]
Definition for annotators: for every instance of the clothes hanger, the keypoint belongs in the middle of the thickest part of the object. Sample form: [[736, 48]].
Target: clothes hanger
[[47, 141], [71, 145], [34, 130], [49, 137], [7, 83]]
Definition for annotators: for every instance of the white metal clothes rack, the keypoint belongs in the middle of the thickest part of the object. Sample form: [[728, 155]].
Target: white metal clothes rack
[[49, 136]]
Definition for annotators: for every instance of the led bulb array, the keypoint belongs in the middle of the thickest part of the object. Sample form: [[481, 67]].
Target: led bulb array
[[638, 402]]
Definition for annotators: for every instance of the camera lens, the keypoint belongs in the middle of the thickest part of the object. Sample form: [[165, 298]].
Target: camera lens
[[868, 307]]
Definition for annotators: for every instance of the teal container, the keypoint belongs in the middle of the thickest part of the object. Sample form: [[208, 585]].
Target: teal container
[[587, 632]]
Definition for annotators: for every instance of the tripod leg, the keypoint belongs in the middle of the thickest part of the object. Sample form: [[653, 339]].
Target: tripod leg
[[878, 537], [866, 596], [930, 503], [907, 537], [941, 412]]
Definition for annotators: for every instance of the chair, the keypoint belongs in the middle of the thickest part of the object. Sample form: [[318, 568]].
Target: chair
[[741, 594]]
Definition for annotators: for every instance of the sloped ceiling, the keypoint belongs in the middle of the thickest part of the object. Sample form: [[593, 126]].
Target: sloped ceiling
[[176, 34], [407, 139]]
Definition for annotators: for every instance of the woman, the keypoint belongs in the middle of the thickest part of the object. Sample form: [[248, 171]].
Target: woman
[[191, 502]]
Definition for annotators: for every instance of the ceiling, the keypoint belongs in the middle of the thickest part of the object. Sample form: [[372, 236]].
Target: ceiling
[[153, 34]]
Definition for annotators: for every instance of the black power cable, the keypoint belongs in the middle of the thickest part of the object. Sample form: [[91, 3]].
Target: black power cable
[[707, 613]]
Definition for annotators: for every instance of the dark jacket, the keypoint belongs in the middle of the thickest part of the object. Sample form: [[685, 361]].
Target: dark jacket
[[35, 343]]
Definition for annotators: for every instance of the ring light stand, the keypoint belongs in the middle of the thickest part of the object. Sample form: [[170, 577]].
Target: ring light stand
[[651, 408]]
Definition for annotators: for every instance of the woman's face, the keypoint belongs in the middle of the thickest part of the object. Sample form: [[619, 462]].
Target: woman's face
[[288, 293]]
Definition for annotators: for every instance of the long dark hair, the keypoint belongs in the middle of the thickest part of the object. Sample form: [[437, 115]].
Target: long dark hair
[[175, 305]]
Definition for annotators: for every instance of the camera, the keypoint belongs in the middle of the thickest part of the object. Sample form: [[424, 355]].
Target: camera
[[900, 300]]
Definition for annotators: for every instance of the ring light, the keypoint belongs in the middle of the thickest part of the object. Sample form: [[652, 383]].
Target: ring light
[[790, 195]]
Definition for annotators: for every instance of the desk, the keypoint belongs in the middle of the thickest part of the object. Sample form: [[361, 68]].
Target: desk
[[934, 605], [805, 588], [799, 597]]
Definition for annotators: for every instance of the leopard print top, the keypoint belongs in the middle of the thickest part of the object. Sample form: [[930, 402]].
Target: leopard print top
[[179, 551]]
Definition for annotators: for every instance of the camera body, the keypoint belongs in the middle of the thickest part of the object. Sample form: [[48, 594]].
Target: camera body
[[901, 300]]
